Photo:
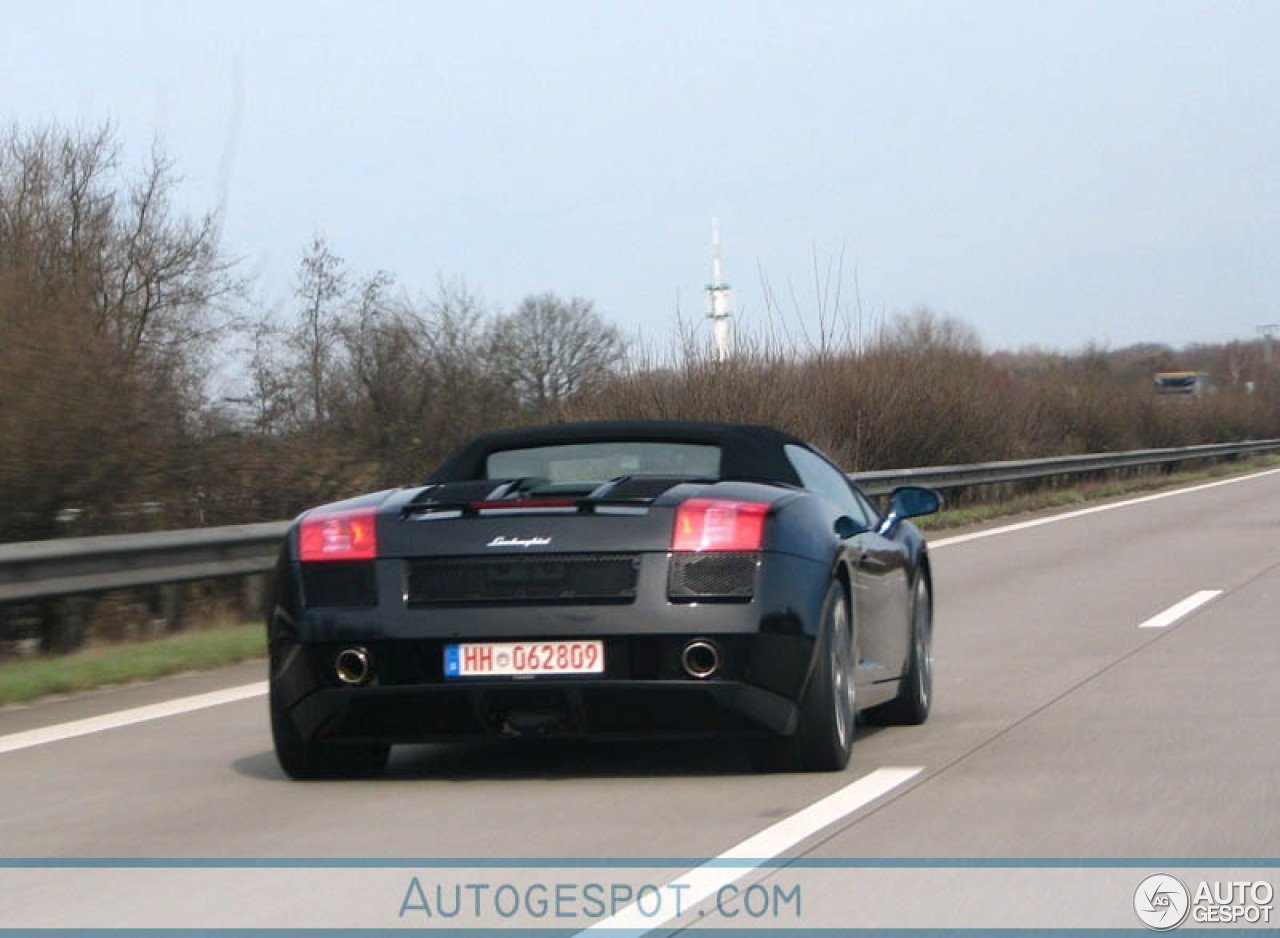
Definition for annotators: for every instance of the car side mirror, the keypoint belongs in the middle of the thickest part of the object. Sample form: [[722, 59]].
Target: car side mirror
[[909, 501], [846, 527]]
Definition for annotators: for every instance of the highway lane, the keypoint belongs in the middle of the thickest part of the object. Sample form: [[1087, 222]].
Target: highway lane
[[1103, 739], [1061, 729]]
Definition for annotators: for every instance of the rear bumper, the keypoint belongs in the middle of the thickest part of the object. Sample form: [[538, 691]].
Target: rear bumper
[[766, 649], [644, 693], [615, 709]]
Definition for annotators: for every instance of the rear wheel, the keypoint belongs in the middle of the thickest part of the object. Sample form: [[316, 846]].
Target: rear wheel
[[305, 760], [911, 706], [828, 711]]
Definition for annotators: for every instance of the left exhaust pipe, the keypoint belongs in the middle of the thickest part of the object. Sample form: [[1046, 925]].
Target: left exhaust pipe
[[352, 666], [700, 659]]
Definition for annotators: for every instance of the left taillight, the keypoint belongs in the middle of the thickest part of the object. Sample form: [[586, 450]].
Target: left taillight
[[339, 535], [717, 524]]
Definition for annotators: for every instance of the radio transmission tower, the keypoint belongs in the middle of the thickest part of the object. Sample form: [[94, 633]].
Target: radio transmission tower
[[719, 297]]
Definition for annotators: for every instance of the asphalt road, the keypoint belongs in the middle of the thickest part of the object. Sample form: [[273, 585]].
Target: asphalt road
[[1060, 729]]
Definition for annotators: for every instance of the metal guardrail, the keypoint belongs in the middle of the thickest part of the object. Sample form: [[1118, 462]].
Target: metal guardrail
[[72, 566], [39, 570], [993, 473]]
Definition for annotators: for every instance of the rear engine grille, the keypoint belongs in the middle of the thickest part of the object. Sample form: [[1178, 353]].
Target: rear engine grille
[[713, 576], [542, 578]]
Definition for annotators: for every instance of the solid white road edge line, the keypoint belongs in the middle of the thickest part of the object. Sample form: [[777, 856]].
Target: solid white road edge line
[[188, 704], [1180, 610], [704, 881], [1054, 519], [109, 721]]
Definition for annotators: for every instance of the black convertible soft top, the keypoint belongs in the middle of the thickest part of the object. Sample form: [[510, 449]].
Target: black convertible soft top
[[746, 452]]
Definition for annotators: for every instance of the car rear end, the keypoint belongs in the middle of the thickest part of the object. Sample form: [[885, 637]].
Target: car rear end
[[649, 606]]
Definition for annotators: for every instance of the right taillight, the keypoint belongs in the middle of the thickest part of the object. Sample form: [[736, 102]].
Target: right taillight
[[718, 524]]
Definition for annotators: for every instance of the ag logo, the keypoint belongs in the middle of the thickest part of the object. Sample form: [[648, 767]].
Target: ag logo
[[1161, 901]]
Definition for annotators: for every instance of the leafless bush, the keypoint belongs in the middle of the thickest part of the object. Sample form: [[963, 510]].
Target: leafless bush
[[920, 391]]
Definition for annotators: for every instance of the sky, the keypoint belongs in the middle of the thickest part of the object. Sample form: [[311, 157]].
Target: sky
[[1053, 173]]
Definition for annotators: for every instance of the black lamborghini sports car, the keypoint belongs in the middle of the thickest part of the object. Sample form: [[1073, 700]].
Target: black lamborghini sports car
[[603, 579]]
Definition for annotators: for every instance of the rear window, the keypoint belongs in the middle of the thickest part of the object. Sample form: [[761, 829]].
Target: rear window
[[600, 462]]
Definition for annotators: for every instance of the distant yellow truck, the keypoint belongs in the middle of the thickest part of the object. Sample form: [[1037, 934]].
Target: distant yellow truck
[[1187, 383]]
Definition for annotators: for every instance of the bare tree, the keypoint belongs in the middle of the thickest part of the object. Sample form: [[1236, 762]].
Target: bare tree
[[272, 394], [416, 378], [159, 274], [322, 285], [550, 350], [382, 342], [108, 297]]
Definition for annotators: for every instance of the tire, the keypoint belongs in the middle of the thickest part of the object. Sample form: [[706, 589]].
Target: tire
[[303, 760], [911, 706], [828, 711]]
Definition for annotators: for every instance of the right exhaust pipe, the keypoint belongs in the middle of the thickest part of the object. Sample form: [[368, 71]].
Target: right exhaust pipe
[[352, 666], [700, 659]]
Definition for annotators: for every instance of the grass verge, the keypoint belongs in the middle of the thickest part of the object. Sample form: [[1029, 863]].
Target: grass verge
[[1078, 495], [136, 661]]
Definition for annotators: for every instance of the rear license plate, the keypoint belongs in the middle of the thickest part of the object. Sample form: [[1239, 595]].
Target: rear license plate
[[519, 659]]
